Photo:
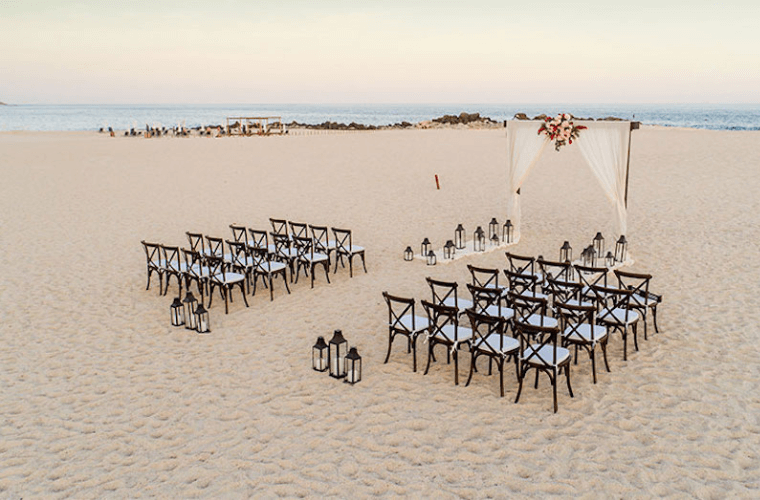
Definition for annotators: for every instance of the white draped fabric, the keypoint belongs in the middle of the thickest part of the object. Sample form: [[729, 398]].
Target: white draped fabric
[[604, 145], [524, 148]]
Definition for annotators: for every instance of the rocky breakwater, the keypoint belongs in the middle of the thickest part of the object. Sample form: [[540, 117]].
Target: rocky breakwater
[[462, 120]]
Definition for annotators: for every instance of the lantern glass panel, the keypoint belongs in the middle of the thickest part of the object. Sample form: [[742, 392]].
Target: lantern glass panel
[[202, 320], [353, 366], [610, 259], [493, 229], [408, 254], [431, 260], [599, 244], [319, 359], [459, 238], [566, 252], [479, 240], [177, 312], [506, 232], [621, 249], [190, 304], [425, 247]]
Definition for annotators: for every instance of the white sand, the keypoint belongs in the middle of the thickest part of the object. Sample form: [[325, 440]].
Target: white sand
[[101, 397]]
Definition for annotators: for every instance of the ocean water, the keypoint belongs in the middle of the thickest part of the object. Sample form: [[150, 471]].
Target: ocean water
[[91, 117]]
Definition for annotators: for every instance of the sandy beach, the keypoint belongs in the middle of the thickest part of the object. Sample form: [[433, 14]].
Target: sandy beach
[[102, 398]]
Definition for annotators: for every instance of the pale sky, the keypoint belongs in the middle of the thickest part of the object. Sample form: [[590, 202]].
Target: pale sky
[[291, 51]]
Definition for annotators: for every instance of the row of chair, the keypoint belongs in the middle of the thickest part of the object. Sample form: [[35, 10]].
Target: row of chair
[[213, 262], [533, 321]]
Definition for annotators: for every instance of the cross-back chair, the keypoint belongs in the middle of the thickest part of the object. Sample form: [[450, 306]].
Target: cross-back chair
[[530, 309], [215, 248], [402, 320], [155, 263], [590, 277], [344, 247], [322, 242], [279, 226], [284, 252], [445, 293], [579, 329], [560, 271], [487, 278], [521, 264], [444, 329], [524, 284], [260, 240], [239, 233], [298, 229], [488, 301], [615, 312], [567, 292], [489, 339], [642, 299], [267, 270], [308, 259], [174, 267], [241, 260], [225, 280], [540, 351], [197, 243], [197, 271]]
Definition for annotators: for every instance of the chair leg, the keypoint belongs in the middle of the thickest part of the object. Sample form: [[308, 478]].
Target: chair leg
[[285, 280], [654, 318], [390, 343], [635, 336], [554, 389], [150, 271], [501, 375], [456, 367], [414, 353], [625, 344], [644, 317], [364, 264], [430, 356], [593, 363], [604, 353], [327, 272], [473, 358], [242, 291], [520, 376], [351, 266], [536, 386], [312, 275], [567, 376], [224, 294]]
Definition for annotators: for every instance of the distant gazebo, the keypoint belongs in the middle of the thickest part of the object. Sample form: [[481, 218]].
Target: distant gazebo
[[254, 125]]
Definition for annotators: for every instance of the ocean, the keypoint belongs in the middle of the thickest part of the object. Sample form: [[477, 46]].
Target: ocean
[[79, 117]]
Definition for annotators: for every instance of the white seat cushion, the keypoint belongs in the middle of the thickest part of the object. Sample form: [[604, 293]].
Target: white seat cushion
[[618, 316], [538, 320], [271, 267], [574, 302], [582, 333], [317, 257], [351, 249], [506, 312], [460, 304], [228, 278], [510, 344], [536, 295], [544, 355], [290, 253], [463, 333], [421, 323]]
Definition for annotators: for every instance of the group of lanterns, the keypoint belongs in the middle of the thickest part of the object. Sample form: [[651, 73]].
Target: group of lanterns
[[189, 313], [460, 241], [332, 356], [592, 254]]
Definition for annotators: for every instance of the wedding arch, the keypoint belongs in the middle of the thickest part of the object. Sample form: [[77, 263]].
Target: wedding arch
[[606, 146]]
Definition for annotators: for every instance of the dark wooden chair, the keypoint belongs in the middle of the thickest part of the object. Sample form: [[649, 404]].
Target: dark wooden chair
[[322, 242], [267, 270], [260, 240], [615, 312], [524, 284], [308, 259], [224, 279], [530, 309], [579, 329], [521, 264], [196, 271], [279, 226], [155, 263], [344, 247], [590, 277], [642, 299], [559, 271], [197, 243], [488, 302], [402, 320], [445, 330], [175, 266], [445, 293], [487, 278], [240, 260], [284, 252], [489, 339], [540, 351], [298, 229]]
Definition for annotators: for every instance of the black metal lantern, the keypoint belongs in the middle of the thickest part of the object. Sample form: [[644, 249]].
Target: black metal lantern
[[609, 259], [425, 247], [495, 239], [592, 256], [493, 229], [431, 260], [449, 250], [586, 256], [336, 351], [408, 254], [177, 312], [566, 252], [479, 240], [201, 320], [353, 367], [599, 244], [319, 360], [459, 238], [506, 232], [189, 304], [621, 249]]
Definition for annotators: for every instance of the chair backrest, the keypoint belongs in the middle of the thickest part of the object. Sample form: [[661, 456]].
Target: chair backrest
[[240, 257], [343, 240], [443, 291], [521, 283], [304, 248], [194, 263], [239, 233], [521, 264], [171, 258], [281, 244], [216, 266], [399, 308], [533, 339], [443, 321], [591, 276], [483, 326], [485, 301], [564, 291], [560, 271], [609, 300], [196, 242], [279, 226], [215, 246], [484, 277], [260, 259], [638, 284], [258, 239], [526, 306], [572, 317], [153, 254], [298, 229], [321, 237]]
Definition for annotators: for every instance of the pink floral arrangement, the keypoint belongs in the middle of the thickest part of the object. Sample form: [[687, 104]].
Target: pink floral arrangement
[[560, 129]]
